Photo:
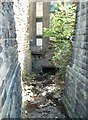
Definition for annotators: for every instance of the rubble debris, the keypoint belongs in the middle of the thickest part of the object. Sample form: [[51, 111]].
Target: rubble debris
[[42, 98]]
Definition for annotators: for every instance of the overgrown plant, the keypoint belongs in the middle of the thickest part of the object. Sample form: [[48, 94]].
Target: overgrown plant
[[60, 32]]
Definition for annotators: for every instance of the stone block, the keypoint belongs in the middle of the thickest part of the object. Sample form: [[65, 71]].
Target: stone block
[[1, 49], [80, 110], [4, 97], [83, 5], [13, 26], [77, 74], [1, 61]]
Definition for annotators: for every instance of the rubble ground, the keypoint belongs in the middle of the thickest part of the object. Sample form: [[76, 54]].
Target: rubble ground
[[42, 97]]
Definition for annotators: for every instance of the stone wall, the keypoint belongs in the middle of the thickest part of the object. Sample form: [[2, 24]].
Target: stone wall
[[76, 83], [13, 39], [21, 8]]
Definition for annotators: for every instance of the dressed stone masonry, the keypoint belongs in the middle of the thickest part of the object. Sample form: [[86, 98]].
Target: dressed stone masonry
[[13, 29], [76, 83]]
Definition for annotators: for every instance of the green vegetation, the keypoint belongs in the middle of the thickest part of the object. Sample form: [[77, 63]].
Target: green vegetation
[[60, 33]]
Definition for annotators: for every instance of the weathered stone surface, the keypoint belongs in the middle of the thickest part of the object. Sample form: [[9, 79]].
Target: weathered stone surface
[[1, 49], [1, 62], [13, 26], [76, 92]]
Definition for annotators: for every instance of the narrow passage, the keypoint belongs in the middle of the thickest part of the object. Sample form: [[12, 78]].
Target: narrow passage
[[42, 97]]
